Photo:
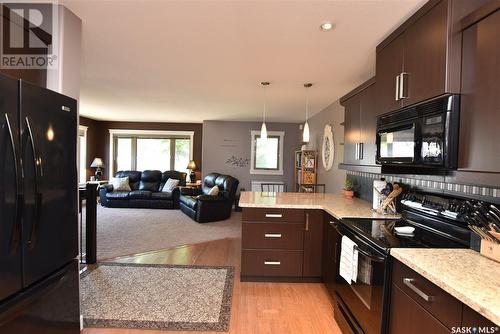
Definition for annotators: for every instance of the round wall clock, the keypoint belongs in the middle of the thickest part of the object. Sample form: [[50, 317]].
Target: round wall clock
[[328, 148]]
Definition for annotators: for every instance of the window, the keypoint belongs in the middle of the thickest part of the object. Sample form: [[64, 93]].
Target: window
[[267, 155], [147, 150], [82, 154]]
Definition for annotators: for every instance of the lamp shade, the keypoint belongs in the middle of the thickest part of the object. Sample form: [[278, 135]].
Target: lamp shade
[[97, 163], [191, 165]]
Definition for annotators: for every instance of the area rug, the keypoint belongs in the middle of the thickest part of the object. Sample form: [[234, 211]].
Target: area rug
[[160, 297], [123, 232]]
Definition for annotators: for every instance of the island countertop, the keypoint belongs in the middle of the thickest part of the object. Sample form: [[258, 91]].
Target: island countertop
[[335, 204], [463, 273]]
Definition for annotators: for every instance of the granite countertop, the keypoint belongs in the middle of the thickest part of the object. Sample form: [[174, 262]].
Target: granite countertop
[[335, 204], [463, 273]]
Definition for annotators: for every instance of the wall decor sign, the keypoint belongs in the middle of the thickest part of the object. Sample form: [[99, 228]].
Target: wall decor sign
[[328, 148], [237, 162]]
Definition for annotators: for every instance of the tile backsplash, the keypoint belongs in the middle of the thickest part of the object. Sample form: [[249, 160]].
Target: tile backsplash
[[363, 185]]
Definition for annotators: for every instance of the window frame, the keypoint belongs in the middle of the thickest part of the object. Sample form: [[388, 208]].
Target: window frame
[[114, 134], [82, 132], [254, 134]]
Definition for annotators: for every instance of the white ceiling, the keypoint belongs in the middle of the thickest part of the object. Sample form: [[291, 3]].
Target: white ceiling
[[189, 61]]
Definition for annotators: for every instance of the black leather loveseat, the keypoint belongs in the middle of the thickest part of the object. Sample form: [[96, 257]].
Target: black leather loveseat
[[204, 208], [145, 191]]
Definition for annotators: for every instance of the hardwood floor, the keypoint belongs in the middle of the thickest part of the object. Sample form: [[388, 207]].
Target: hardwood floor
[[257, 308]]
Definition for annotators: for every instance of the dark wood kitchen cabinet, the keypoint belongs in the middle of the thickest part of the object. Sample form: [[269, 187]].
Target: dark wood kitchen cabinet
[[480, 100], [331, 244], [281, 244], [419, 306], [360, 124]]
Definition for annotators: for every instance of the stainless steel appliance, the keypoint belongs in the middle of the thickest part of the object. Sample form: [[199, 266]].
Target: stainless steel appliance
[[421, 138], [38, 211], [438, 222]]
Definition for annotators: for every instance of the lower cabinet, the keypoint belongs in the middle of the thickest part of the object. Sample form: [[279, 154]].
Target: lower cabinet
[[331, 244], [282, 244], [419, 306]]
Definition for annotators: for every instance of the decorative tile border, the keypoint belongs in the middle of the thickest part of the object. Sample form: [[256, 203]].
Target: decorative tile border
[[434, 185]]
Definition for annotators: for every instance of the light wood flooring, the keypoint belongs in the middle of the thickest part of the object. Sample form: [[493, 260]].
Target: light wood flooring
[[259, 308]]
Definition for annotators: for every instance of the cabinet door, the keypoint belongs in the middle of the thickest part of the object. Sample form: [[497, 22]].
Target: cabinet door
[[425, 56], [368, 121], [330, 245], [313, 243], [480, 100], [406, 316], [351, 130], [389, 66]]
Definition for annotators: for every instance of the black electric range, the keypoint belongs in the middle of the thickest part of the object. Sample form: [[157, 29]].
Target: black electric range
[[438, 222]]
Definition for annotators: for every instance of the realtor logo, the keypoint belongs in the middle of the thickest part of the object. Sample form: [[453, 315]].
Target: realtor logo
[[29, 36]]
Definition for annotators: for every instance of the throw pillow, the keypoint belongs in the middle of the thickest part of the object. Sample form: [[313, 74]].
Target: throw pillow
[[120, 183], [170, 185], [214, 191]]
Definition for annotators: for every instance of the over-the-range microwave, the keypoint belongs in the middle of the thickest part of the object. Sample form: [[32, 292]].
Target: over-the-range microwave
[[420, 139]]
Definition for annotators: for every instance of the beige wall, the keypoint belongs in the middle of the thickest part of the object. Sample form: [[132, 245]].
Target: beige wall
[[333, 115]]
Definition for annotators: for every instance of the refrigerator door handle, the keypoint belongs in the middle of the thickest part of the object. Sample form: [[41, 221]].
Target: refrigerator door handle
[[38, 168], [15, 237]]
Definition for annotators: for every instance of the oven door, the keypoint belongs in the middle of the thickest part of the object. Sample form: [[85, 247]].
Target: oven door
[[397, 143], [362, 301]]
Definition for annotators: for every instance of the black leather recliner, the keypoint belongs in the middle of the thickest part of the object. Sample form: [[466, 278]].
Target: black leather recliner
[[145, 191], [205, 208]]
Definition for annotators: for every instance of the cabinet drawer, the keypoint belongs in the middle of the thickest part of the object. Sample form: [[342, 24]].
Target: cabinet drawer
[[439, 303], [286, 263], [273, 215], [273, 235]]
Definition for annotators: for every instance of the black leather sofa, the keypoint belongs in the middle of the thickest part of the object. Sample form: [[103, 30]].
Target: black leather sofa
[[205, 208], [145, 190]]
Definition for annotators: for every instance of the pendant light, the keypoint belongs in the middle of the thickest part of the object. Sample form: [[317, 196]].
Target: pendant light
[[305, 133], [263, 129]]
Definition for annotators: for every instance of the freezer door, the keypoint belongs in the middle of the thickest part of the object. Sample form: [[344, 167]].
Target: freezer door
[[48, 125], [10, 232], [49, 307]]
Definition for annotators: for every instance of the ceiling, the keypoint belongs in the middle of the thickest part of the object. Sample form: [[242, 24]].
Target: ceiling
[[189, 61]]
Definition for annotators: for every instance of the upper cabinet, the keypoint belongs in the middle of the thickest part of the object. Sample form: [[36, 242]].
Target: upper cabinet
[[416, 61], [360, 125], [480, 100]]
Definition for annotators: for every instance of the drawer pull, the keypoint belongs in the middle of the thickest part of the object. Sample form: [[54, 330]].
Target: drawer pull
[[272, 263], [409, 283], [272, 235], [274, 215]]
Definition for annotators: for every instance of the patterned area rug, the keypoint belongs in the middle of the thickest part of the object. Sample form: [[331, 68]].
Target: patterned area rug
[[161, 297]]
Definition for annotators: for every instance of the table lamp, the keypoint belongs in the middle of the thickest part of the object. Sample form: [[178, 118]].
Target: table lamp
[[192, 166], [98, 165]]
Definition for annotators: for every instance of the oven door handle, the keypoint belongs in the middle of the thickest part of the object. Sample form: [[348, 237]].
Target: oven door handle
[[360, 251]]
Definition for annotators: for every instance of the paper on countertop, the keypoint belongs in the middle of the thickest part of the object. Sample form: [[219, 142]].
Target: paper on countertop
[[348, 268]]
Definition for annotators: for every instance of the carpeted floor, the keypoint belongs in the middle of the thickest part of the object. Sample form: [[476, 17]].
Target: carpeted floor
[[129, 231], [163, 297]]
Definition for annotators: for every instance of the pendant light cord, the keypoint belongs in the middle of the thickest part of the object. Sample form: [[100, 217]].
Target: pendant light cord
[[307, 85]]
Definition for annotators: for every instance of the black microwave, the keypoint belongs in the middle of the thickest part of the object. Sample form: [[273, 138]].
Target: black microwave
[[420, 139]]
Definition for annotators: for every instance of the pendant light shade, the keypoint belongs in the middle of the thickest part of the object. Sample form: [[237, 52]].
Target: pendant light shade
[[305, 132], [263, 128]]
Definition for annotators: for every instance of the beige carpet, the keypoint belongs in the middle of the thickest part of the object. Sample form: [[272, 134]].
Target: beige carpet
[[162, 297], [128, 231]]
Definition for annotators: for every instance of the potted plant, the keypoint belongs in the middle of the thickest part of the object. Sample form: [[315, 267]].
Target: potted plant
[[348, 186]]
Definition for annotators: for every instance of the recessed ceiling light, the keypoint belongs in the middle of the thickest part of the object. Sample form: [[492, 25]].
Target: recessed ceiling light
[[326, 26]]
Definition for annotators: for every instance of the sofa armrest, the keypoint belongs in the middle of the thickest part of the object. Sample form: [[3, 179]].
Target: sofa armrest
[[210, 198], [187, 191]]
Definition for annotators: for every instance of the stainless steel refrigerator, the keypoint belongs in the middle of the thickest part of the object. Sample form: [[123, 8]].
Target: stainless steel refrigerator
[[38, 211]]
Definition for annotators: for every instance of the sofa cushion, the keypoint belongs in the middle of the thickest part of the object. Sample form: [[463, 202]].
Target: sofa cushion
[[214, 191], [170, 185], [150, 180], [209, 182], [133, 177], [120, 183], [173, 174], [189, 201], [118, 195], [140, 194], [162, 196]]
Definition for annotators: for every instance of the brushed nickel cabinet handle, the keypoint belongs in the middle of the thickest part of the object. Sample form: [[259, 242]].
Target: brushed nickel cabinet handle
[[402, 86], [307, 222], [409, 283], [272, 263], [272, 235], [274, 215], [397, 88]]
